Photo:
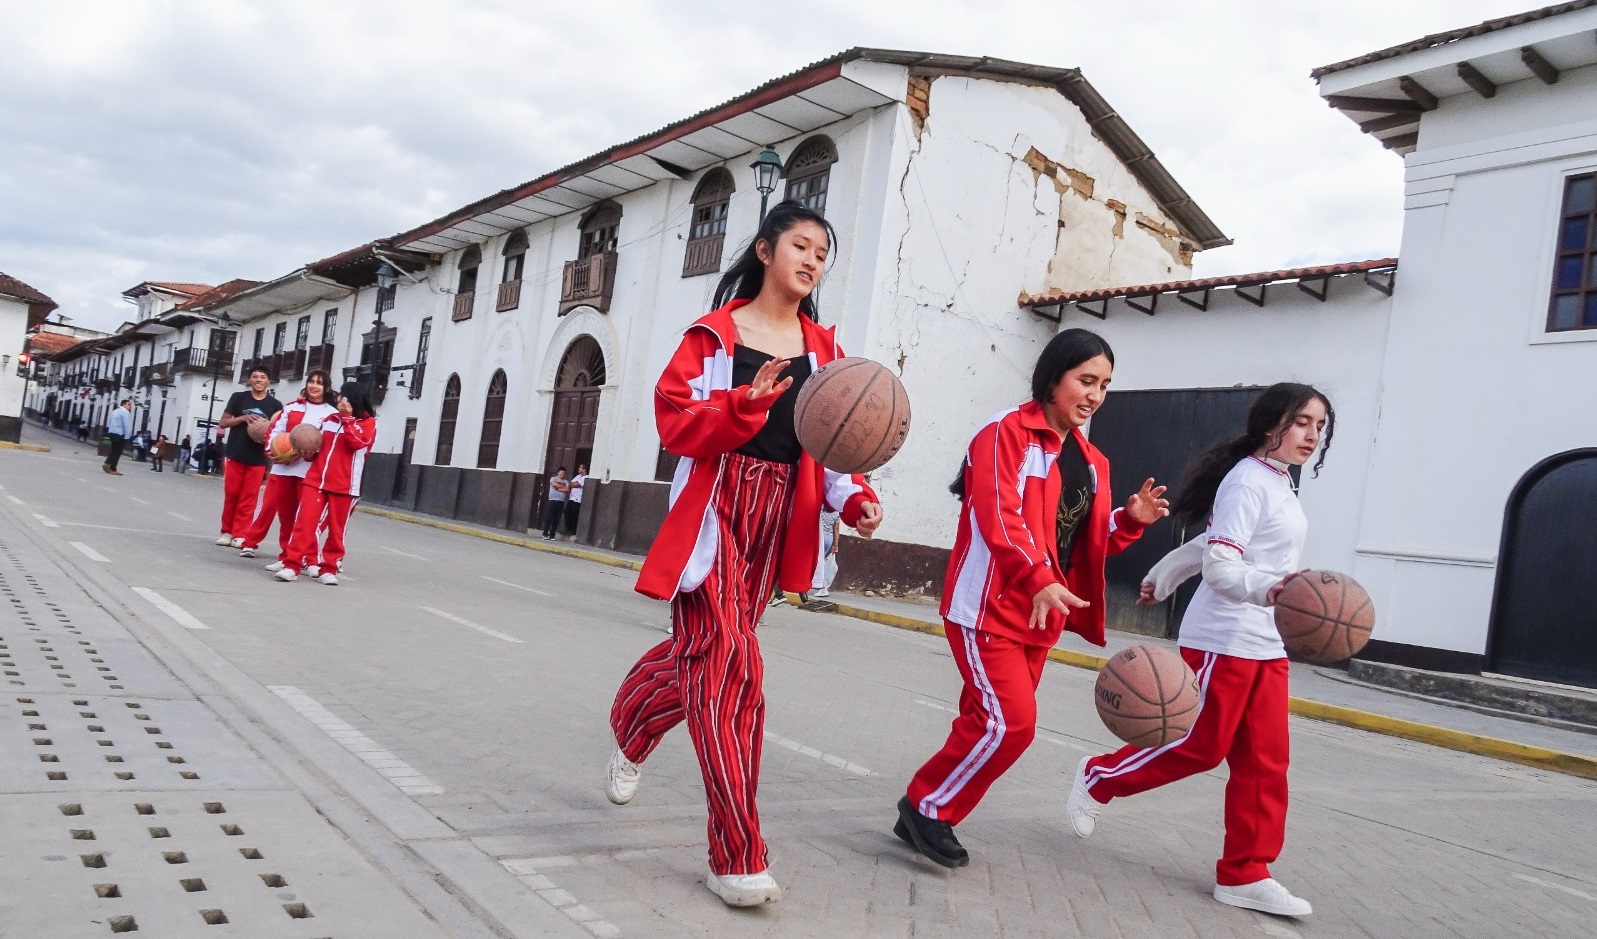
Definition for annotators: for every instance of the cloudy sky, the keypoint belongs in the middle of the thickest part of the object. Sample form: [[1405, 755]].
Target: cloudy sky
[[202, 140]]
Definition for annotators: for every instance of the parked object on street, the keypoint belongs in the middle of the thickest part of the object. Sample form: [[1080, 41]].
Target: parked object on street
[[852, 415], [1147, 696], [1324, 617]]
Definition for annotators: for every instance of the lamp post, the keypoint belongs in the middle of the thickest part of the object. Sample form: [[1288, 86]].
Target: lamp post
[[223, 321], [385, 283], [767, 166]]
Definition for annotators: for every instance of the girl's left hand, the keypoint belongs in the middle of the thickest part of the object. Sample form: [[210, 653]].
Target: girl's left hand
[[344, 407], [870, 516], [1147, 505]]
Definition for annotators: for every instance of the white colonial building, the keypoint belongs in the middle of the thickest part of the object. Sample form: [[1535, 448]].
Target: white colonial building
[[22, 308]]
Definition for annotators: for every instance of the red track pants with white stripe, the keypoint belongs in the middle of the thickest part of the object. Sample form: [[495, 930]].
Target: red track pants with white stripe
[[241, 485], [320, 512], [280, 502], [709, 673], [1242, 711], [997, 722]]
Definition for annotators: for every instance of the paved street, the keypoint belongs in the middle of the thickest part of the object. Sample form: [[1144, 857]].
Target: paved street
[[452, 697]]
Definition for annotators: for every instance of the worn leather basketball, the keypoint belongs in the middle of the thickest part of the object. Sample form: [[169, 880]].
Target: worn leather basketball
[[281, 449], [1324, 617], [307, 439], [1147, 696], [852, 415], [257, 427]]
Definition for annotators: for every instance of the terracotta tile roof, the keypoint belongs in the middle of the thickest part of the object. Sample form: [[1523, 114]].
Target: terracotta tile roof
[[192, 290], [213, 294], [49, 343], [1210, 283], [11, 287], [1453, 35]]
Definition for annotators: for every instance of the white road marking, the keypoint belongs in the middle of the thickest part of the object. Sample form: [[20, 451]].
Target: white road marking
[[541, 593], [469, 624], [89, 552], [179, 515], [1552, 886], [524, 870], [401, 553], [940, 707], [14, 499], [396, 770], [179, 615], [142, 531], [47, 523], [827, 758], [138, 500]]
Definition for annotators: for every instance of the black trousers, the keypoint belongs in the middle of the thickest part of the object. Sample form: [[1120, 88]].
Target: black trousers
[[117, 443], [573, 509], [551, 516]]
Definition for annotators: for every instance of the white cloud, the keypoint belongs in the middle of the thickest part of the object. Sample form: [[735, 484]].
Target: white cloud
[[198, 140]]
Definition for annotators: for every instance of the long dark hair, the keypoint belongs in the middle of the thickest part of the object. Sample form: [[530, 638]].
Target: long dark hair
[[360, 400], [1276, 406], [1064, 352], [743, 280], [327, 383]]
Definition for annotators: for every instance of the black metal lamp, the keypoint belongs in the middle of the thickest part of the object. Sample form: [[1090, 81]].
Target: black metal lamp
[[767, 167], [223, 321]]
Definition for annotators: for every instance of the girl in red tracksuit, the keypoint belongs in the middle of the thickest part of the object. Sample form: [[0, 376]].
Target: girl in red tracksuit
[[1036, 521], [1252, 544], [745, 511], [332, 486], [285, 480]]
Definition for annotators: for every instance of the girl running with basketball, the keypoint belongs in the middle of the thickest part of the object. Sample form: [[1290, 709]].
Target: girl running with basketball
[[332, 487], [745, 510], [1252, 545], [1036, 522], [285, 479]]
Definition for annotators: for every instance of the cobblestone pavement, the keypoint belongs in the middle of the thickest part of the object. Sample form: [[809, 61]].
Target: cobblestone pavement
[[476, 678]]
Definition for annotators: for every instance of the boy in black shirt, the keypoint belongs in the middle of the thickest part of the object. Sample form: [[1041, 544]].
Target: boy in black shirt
[[244, 459]]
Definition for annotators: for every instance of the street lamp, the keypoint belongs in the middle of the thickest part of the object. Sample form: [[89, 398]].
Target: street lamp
[[767, 166], [385, 283], [223, 321]]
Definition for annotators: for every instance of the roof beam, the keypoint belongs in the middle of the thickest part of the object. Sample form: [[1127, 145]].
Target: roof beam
[[1399, 141], [1389, 122], [1538, 65], [1148, 308], [1202, 301], [1317, 287], [1256, 301], [1378, 105], [1382, 281], [1418, 93], [1472, 77], [1086, 306], [1052, 312]]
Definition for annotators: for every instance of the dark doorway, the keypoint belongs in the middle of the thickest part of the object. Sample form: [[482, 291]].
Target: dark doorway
[[1544, 614], [575, 413], [1157, 433], [402, 473]]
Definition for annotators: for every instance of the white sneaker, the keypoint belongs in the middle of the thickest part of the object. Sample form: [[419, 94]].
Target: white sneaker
[[286, 575], [621, 778], [328, 579], [744, 889], [226, 541], [823, 592], [312, 570], [1266, 896], [246, 552], [237, 542], [1081, 807], [275, 566], [778, 601]]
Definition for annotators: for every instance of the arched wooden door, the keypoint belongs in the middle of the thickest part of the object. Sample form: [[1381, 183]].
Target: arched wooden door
[[575, 416], [1544, 612]]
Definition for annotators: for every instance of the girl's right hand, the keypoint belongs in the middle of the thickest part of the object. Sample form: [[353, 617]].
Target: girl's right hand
[[1145, 595], [765, 380], [1269, 598], [1050, 598]]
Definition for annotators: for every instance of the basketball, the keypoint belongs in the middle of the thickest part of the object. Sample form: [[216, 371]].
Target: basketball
[[852, 415], [257, 427], [282, 449], [307, 439], [1324, 617], [1147, 696]]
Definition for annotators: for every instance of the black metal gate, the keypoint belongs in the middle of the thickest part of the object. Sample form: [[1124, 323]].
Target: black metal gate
[[1544, 613], [1157, 433]]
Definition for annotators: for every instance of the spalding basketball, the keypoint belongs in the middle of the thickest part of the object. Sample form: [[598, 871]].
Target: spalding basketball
[[1147, 696], [257, 427], [1324, 617], [281, 449], [852, 415], [307, 439]]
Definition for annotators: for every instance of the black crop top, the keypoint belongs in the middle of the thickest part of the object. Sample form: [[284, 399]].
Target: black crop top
[[776, 441]]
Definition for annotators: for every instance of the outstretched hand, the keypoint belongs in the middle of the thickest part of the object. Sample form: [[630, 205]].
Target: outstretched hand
[[766, 380], [870, 517], [1147, 505], [1050, 598]]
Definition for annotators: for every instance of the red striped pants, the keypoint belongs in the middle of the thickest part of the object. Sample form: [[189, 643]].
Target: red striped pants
[[280, 502], [322, 516], [1242, 711], [241, 485], [709, 673]]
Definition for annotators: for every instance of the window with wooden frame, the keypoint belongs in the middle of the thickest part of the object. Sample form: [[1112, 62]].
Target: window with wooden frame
[[598, 230], [707, 229], [1574, 300], [302, 334], [809, 172], [446, 422], [329, 326], [466, 285], [279, 338], [385, 297], [515, 255], [419, 373], [493, 421], [260, 341]]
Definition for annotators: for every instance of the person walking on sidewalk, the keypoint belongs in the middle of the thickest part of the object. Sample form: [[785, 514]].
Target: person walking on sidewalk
[[244, 463], [332, 487], [555, 503], [579, 484], [119, 427], [745, 494], [285, 480], [157, 452], [1252, 545], [1037, 519], [185, 450]]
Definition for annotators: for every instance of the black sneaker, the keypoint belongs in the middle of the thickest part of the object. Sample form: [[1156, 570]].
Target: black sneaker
[[931, 837]]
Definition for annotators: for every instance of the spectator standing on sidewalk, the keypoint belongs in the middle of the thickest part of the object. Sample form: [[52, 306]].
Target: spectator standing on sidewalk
[[184, 451], [555, 503], [157, 451], [119, 427], [579, 484], [244, 458], [826, 571]]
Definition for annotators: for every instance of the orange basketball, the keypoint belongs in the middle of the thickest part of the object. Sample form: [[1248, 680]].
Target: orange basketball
[[307, 439], [1147, 696], [1324, 617], [257, 427], [281, 449], [852, 415]]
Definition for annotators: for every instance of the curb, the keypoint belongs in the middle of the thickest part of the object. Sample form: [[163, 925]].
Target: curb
[[30, 447]]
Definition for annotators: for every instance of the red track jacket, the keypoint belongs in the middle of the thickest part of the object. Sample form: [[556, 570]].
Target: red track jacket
[[701, 417], [1006, 549], [342, 459]]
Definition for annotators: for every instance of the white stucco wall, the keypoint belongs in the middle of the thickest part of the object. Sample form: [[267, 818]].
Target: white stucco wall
[[13, 332]]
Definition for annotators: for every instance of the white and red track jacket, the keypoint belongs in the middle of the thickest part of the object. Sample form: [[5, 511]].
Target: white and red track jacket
[[339, 463], [1007, 550], [293, 414], [700, 417]]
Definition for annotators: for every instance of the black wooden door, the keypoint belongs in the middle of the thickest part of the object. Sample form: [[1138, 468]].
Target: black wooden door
[[571, 429], [1157, 433], [402, 472], [1544, 614]]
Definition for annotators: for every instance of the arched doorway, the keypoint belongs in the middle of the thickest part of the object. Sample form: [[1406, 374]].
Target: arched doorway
[[575, 415], [1544, 614]]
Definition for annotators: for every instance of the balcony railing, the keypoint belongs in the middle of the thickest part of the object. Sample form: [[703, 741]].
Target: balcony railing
[[588, 282], [129, 374], [201, 360], [509, 296], [160, 374], [320, 357], [105, 383], [463, 306], [291, 365], [703, 256]]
